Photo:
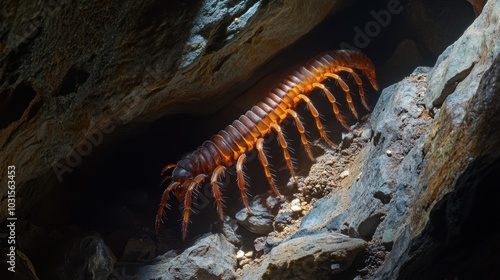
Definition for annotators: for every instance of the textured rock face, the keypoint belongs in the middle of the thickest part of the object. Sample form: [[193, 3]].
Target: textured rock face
[[418, 187], [65, 83], [317, 256], [211, 257]]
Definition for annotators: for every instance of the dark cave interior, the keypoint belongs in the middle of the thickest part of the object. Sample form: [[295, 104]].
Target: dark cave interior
[[117, 186], [115, 191]]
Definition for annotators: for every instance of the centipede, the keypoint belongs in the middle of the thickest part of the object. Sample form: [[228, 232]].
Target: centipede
[[230, 146]]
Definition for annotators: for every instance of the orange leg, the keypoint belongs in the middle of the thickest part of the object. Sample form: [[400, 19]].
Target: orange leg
[[215, 187], [265, 164], [358, 81], [302, 131], [241, 180], [187, 202], [332, 100], [345, 88], [165, 179], [164, 204], [284, 146], [315, 114], [170, 166]]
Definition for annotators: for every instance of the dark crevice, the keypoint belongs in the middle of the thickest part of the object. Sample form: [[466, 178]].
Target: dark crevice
[[452, 84], [13, 103], [367, 228], [462, 226], [74, 78]]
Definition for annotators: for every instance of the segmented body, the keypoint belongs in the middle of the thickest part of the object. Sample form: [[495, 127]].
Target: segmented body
[[230, 145]]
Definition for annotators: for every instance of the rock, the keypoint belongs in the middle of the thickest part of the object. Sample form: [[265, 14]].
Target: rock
[[261, 219], [24, 268], [463, 140], [282, 220], [477, 5], [259, 244], [344, 174], [240, 254], [312, 257], [139, 249], [210, 257], [229, 229], [87, 257], [347, 139], [422, 15], [64, 99], [406, 55], [296, 209], [75, 87], [272, 242]]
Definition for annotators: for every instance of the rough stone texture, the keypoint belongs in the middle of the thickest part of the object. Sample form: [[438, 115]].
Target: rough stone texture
[[211, 257], [423, 187], [86, 258], [261, 219], [459, 60], [417, 189], [65, 81], [357, 209], [311, 257]]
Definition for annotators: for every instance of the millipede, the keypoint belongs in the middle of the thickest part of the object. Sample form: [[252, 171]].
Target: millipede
[[230, 145]]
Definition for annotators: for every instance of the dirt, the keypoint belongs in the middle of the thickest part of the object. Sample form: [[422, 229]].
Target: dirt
[[333, 170]]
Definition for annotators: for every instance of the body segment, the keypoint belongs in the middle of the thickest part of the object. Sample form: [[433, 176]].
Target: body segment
[[229, 146]]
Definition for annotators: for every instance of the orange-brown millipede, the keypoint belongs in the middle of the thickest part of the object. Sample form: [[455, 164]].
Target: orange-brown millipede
[[230, 145]]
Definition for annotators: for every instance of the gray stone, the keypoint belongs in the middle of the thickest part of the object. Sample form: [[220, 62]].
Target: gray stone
[[88, 257], [312, 257], [261, 219], [210, 257]]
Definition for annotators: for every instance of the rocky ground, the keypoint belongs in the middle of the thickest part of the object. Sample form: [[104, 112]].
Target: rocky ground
[[406, 195]]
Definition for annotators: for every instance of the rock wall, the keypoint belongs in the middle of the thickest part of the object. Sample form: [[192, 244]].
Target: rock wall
[[405, 191], [122, 63]]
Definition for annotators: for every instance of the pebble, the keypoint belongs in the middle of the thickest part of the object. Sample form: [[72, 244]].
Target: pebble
[[388, 153], [244, 261], [240, 255], [344, 174], [249, 254], [296, 208]]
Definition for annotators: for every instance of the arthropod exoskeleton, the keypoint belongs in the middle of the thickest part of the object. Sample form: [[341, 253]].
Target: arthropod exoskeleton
[[231, 145]]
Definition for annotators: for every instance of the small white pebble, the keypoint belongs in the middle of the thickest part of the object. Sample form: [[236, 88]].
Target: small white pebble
[[295, 202], [240, 255], [296, 208], [244, 261], [344, 174], [249, 254], [388, 153]]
